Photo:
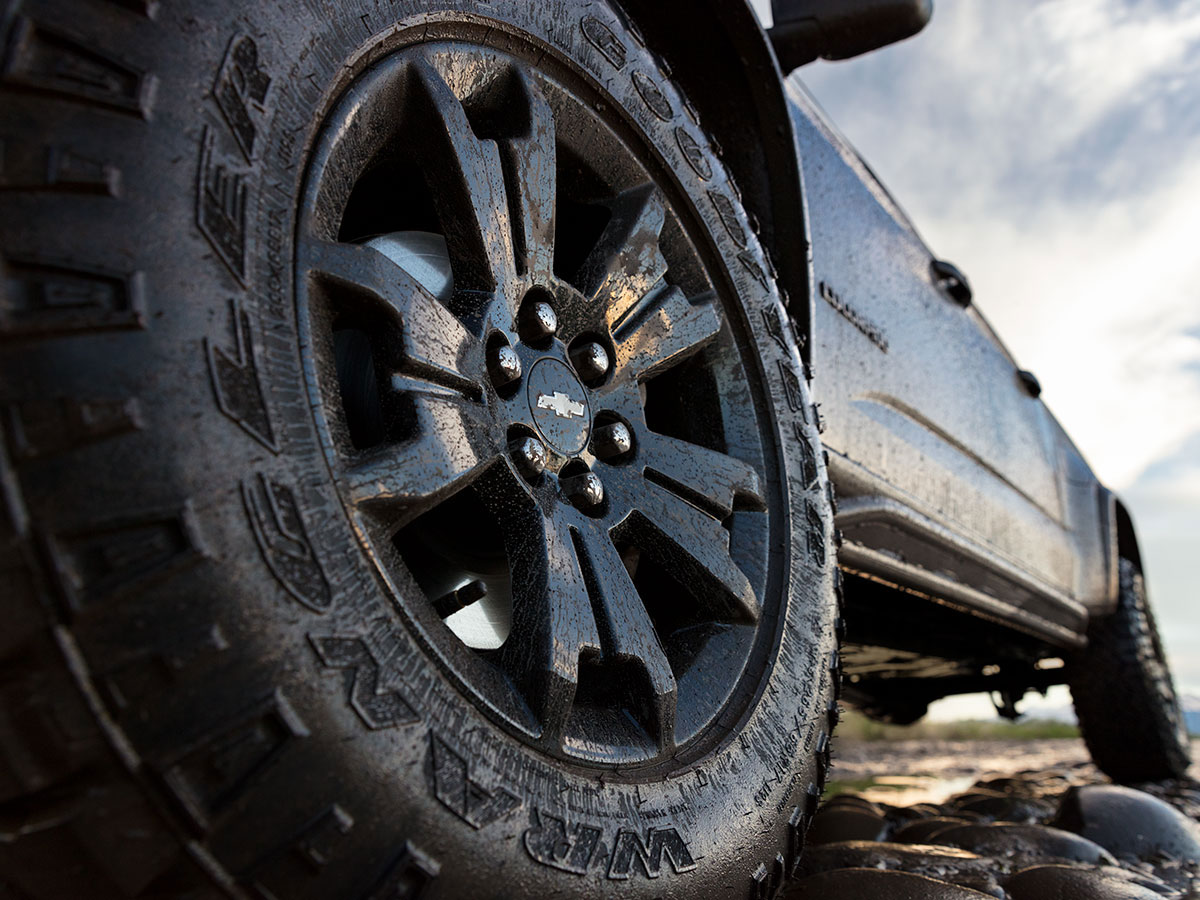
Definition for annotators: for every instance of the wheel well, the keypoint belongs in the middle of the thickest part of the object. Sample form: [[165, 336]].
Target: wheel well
[[1127, 542], [721, 58]]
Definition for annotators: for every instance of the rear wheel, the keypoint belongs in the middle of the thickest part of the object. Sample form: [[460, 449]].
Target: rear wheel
[[413, 486], [1126, 703]]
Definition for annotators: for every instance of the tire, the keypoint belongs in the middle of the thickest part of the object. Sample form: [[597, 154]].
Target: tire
[[1124, 698], [254, 467]]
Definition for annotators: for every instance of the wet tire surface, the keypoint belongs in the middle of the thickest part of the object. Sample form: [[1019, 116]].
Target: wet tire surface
[[235, 432]]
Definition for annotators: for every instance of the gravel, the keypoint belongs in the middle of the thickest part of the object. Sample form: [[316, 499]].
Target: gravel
[[1015, 820]]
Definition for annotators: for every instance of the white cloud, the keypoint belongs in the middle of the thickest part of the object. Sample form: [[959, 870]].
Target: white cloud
[[1094, 55], [1098, 302], [1050, 151]]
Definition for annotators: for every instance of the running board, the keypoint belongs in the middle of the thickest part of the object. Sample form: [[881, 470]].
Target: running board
[[858, 559]]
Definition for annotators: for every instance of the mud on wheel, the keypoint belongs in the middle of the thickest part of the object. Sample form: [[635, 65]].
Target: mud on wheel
[[413, 489]]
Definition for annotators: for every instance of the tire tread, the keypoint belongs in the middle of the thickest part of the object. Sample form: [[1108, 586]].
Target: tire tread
[[1126, 704]]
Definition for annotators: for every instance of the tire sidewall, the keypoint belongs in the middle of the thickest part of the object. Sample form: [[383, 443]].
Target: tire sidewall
[[422, 787]]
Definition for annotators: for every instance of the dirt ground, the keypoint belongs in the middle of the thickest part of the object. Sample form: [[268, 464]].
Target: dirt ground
[[928, 771]]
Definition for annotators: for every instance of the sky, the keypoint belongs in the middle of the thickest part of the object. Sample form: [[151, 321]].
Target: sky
[[1051, 150]]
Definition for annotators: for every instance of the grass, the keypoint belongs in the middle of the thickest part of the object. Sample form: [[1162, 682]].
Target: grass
[[854, 726], [857, 786]]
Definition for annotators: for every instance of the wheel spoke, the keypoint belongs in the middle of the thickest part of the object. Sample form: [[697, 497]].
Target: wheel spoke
[[626, 261], [713, 481], [552, 621], [530, 165], [627, 634], [452, 367], [467, 182], [664, 330], [443, 455], [696, 547], [434, 345]]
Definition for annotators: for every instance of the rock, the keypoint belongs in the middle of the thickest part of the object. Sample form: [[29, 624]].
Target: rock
[[857, 884], [855, 801], [925, 810], [976, 793], [969, 815], [1073, 883], [899, 816], [923, 831], [882, 855], [1009, 786], [951, 864], [1021, 843], [1003, 800], [1006, 809], [845, 822], [1129, 823]]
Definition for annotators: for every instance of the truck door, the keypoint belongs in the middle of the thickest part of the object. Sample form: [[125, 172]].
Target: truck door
[[942, 455]]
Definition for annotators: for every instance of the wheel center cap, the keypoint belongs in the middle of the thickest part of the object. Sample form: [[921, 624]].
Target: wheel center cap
[[559, 405]]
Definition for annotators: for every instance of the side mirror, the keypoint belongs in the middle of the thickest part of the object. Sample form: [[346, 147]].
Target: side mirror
[[805, 30]]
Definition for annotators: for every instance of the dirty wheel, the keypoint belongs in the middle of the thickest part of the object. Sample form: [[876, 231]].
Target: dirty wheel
[[494, 542], [1126, 703]]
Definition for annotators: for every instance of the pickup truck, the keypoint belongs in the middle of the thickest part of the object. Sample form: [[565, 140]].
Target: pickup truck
[[412, 481]]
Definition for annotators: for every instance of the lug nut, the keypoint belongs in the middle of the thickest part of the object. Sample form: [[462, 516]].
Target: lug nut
[[584, 490], [504, 366], [530, 456], [590, 360], [612, 440], [538, 321]]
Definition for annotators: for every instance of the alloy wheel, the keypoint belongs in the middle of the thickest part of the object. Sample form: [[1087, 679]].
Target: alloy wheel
[[536, 403]]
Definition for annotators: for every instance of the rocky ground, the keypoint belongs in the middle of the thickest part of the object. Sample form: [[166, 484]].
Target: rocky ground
[[1015, 820]]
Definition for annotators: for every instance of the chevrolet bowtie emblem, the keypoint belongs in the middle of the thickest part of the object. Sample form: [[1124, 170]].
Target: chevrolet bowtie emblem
[[562, 405]]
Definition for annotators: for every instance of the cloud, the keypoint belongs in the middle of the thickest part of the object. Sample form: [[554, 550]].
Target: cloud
[[1052, 150], [1099, 302]]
